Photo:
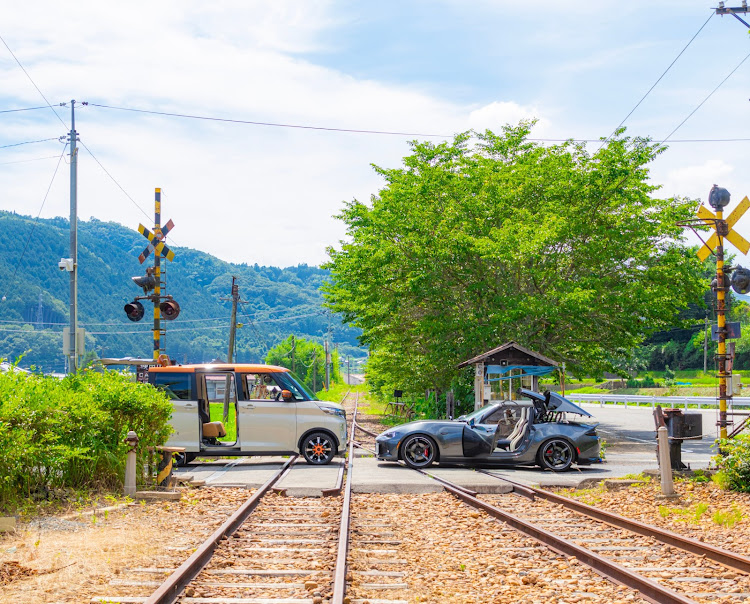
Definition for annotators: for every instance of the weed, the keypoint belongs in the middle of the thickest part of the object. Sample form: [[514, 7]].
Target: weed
[[664, 511], [700, 509], [728, 518], [462, 566], [603, 448]]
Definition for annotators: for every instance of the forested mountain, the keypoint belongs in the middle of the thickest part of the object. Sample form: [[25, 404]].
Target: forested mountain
[[35, 308]]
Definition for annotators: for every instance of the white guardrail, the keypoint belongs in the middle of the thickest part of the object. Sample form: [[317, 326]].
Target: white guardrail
[[664, 401]]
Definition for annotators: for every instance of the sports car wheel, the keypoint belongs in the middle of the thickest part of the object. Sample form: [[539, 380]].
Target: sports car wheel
[[317, 448], [556, 455], [419, 451]]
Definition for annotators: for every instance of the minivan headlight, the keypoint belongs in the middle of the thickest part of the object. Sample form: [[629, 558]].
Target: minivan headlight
[[332, 411]]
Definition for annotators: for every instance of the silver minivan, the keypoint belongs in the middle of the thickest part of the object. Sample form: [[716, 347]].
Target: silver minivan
[[235, 409]]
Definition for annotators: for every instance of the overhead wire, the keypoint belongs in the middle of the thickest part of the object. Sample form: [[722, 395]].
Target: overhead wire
[[42, 140], [33, 82], [23, 161], [114, 180], [25, 108], [659, 79], [710, 94]]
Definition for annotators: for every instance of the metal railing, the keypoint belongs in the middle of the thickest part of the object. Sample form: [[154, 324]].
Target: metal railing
[[638, 400]]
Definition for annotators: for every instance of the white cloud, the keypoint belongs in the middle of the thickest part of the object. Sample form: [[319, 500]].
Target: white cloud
[[245, 193]]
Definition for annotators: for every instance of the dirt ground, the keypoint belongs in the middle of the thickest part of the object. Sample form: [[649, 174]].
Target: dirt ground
[[54, 559]]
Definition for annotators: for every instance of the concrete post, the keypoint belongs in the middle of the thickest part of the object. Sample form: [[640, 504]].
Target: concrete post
[[665, 464], [132, 441]]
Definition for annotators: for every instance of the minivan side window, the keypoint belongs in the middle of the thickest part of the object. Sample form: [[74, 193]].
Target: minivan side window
[[174, 385], [261, 386]]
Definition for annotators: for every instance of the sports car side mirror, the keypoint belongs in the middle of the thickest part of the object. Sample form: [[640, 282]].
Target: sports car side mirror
[[471, 422], [286, 395]]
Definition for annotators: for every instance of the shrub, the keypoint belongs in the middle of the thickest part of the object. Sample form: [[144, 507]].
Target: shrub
[[734, 463], [69, 433]]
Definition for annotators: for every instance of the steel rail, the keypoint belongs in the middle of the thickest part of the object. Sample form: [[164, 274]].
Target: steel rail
[[339, 576], [722, 556], [170, 590], [647, 588]]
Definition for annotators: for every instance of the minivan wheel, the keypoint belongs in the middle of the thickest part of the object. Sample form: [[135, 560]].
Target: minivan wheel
[[317, 448]]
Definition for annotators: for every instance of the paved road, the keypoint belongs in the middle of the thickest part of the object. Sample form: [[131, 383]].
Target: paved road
[[629, 433]]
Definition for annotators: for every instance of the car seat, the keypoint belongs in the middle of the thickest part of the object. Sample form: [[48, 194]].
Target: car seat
[[520, 430]]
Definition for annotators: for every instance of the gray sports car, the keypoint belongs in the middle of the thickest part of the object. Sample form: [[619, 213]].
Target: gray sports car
[[535, 429]]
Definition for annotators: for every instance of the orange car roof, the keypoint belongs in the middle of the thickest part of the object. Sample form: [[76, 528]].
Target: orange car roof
[[238, 367]]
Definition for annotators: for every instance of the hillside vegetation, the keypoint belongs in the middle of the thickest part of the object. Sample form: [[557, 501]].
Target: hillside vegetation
[[280, 301]]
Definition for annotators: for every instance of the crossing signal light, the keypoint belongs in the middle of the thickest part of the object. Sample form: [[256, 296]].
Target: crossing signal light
[[169, 309], [134, 310], [741, 280]]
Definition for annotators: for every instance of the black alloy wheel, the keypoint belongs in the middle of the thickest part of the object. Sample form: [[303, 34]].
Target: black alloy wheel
[[419, 451], [556, 455], [317, 448]]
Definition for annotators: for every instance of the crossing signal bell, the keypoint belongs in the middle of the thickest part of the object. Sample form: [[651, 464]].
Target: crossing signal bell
[[169, 309], [134, 310], [147, 283]]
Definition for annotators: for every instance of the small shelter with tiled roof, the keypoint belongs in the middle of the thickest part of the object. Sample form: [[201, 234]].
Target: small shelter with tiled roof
[[500, 371]]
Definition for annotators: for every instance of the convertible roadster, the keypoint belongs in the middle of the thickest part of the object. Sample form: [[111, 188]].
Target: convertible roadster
[[536, 429]]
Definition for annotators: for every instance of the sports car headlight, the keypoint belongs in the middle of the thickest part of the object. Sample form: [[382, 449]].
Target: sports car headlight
[[333, 411], [389, 434]]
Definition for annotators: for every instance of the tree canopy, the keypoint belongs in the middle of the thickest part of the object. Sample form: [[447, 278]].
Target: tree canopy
[[491, 238]]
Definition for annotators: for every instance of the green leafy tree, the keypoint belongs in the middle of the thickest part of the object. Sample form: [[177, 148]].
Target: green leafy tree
[[483, 240], [307, 359]]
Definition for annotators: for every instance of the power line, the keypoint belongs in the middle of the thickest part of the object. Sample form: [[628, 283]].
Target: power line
[[658, 80], [361, 131], [42, 140], [26, 108], [22, 161], [33, 83], [271, 124], [119, 186], [708, 97]]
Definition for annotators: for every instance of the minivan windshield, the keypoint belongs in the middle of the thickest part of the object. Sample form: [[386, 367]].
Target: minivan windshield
[[291, 382]]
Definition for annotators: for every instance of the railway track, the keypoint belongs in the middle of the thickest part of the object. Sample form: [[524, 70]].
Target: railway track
[[279, 550], [662, 566]]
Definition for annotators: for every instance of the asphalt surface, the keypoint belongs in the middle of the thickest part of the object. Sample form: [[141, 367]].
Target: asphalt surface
[[629, 433]]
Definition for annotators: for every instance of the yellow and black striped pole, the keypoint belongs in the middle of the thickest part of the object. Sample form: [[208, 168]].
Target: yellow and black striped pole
[[721, 324], [157, 276]]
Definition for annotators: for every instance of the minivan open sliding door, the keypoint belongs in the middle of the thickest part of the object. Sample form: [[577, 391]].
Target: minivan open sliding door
[[217, 408]]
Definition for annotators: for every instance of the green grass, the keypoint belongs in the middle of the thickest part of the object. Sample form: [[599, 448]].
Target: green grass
[[216, 412]]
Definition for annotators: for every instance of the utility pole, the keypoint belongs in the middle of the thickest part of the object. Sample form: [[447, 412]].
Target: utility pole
[[348, 370], [328, 366], [233, 326], [294, 345], [232, 339], [73, 342]]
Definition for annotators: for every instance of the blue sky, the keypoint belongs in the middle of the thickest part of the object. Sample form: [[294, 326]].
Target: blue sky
[[267, 195]]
